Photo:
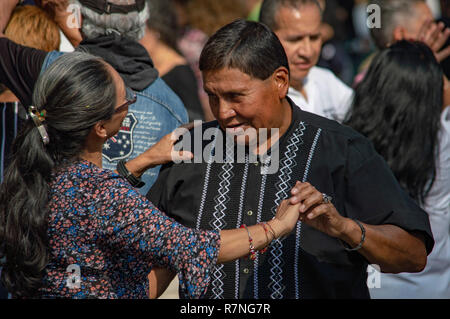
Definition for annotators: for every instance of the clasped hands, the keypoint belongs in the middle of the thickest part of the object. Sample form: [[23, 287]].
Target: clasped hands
[[314, 210]]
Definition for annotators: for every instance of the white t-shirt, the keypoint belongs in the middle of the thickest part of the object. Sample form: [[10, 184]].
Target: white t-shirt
[[434, 281], [327, 95]]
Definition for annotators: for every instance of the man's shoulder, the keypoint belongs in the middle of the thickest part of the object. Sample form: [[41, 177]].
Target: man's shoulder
[[327, 78], [329, 127], [317, 72]]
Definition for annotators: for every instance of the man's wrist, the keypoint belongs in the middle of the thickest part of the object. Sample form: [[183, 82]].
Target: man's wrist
[[351, 233]]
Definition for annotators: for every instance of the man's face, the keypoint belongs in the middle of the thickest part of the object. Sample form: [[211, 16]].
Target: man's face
[[299, 32], [240, 102], [422, 14]]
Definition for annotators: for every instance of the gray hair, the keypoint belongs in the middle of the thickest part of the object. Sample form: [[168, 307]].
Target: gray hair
[[131, 24], [270, 9], [393, 13], [76, 91]]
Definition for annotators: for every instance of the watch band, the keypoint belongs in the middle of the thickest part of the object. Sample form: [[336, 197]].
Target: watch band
[[124, 172]]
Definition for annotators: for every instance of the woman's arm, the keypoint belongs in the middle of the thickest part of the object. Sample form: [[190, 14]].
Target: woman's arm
[[6, 9], [235, 243], [159, 279], [68, 21]]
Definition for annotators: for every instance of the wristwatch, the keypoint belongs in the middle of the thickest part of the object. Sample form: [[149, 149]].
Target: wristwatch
[[125, 173]]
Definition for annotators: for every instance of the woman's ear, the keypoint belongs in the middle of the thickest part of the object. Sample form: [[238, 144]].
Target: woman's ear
[[281, 80], [99, 130]]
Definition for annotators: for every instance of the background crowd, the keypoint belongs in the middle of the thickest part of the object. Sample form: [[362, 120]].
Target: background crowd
[[391, 85]]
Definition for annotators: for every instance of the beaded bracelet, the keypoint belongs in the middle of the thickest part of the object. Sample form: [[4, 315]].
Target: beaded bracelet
[[250, 239]]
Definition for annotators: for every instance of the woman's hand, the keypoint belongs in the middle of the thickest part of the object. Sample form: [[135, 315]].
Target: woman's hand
[[316, 213], [163, 151], [285, 219], [160, 153]]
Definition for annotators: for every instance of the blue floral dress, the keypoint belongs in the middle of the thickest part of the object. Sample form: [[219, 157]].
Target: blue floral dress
[[104, 239]]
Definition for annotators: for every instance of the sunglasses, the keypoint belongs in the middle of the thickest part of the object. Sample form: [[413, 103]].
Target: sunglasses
[[130, 98]]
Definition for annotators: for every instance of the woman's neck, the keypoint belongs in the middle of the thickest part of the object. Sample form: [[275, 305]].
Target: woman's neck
[[93, 157]]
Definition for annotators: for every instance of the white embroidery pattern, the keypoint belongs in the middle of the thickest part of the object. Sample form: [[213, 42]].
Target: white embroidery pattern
[[217, 222], [283, 187], [299, 224]]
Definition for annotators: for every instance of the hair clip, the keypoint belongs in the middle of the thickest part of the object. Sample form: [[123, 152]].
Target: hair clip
[[38, 118]]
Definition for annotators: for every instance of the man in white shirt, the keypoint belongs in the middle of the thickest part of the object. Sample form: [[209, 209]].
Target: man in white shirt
[[297, 23]]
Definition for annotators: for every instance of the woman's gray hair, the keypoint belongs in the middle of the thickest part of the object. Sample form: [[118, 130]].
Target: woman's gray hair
[[131, 24], [76, 91]]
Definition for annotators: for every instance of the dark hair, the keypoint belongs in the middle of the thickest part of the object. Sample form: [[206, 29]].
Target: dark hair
[[270, 9], [248, 46], [397, 106], [163, 19], [76, 91]]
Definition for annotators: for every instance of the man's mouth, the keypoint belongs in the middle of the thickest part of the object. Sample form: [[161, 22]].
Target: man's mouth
[[236, 128], [303, 65]]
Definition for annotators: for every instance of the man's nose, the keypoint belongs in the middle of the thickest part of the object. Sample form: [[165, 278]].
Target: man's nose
[[226, 111], [305, 48]]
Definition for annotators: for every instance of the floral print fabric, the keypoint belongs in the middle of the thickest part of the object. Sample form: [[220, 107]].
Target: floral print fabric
[[112, 236]]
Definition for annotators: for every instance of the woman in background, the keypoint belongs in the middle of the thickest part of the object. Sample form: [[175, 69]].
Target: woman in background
[[399, 106], [160, 40]]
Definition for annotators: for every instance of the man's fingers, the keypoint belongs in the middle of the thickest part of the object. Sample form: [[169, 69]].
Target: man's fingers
[[301, 193], [443, 54], [312, 200]]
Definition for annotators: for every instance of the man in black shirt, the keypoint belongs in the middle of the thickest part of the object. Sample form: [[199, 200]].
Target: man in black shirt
[[355, 212]]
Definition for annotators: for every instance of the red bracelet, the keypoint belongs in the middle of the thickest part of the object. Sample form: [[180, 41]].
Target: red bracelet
[[263, 224], [250, 240]]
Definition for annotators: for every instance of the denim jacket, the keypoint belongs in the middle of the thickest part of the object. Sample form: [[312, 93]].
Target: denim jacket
[[157, 112]]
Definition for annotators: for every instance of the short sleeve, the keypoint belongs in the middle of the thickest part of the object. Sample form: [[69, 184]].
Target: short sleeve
[[146, 235], [374, 196], [20, 67]]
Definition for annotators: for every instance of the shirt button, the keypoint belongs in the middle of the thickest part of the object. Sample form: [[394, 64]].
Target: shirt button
[[250, 213], [245, 270]]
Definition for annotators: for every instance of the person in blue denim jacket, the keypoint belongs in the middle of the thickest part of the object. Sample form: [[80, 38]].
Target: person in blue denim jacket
[[110, 32]]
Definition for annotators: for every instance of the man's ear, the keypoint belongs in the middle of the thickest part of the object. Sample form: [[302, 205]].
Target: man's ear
[[281, 80], [399, 34]]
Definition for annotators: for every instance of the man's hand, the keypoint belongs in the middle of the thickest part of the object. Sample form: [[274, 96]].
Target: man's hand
[[315, 212], [435, 35]]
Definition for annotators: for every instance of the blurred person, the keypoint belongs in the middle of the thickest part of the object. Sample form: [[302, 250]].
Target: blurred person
[[407, 20], [353, 212], [399, 106], [297, 23], [160, 40], [111, 32], [60, 210], [30, 26], [335, 34], [201, 19]]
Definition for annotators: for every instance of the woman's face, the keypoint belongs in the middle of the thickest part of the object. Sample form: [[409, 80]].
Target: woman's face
[[114, 124]]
